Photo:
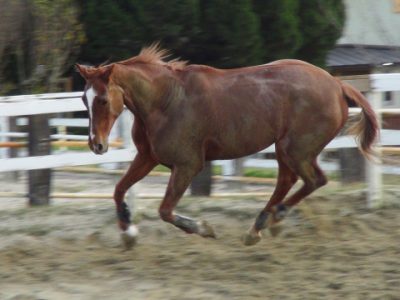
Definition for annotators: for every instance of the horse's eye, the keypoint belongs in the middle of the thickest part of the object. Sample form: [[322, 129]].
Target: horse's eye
[[102, 101]]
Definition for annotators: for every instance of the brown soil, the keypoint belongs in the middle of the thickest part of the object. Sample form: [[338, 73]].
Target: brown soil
[[331, 247]]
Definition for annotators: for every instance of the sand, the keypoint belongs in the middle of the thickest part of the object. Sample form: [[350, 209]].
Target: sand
[[330, 247]]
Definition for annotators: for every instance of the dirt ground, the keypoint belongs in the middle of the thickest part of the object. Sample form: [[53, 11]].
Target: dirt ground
[[331, 247]]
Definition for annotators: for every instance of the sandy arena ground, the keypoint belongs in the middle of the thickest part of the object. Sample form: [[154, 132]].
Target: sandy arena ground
[[331, 247]]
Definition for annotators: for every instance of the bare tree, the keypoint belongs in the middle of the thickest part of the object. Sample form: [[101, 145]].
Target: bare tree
[[15, 35], [57, 37], [44, 37]]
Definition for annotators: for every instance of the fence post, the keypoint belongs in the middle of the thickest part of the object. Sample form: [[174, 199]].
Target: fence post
[[202, 183], [227, 168], [13, 152], [374, 169], [4, 127], [352, 166], [39, 144], [233, 167]]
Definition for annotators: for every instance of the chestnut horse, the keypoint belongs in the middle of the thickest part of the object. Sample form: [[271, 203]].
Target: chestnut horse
[[187, 114]]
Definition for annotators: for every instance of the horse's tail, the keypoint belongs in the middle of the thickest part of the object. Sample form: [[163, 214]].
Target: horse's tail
[[366, 129]]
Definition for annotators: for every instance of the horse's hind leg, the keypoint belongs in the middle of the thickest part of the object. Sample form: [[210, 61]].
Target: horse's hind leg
[[286, 179], [180, 179], [140, 167], [313, 178]]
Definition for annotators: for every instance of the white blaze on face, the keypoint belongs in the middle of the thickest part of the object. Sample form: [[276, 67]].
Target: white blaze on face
[[90, 95]]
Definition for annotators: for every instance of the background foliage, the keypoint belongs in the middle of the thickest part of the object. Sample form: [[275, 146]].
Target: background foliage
[[222, 33], [40, 39]]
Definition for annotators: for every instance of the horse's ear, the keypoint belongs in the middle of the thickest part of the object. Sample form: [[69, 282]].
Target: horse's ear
[[106, 72], [82, 70]]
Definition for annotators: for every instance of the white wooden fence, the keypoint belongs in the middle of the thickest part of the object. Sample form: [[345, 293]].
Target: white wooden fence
[[57, 103], [70, 102]]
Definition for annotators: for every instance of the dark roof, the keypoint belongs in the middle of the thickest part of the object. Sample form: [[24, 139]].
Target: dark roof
[[362, 55]]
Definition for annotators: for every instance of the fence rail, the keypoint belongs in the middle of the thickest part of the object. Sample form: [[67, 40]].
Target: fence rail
[[66, 102], [21, 106], [40, 104]]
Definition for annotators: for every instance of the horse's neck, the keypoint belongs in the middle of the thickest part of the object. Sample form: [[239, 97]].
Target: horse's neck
[[144, 97], [137, 92]]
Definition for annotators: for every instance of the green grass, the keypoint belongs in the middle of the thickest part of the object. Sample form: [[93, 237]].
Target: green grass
[[248, 172], [251, 172], [217, 170], [161, 168], [260, 173], [71, 148]]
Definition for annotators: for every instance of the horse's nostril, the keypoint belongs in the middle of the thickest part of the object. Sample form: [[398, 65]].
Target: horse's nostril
[[99, 147]]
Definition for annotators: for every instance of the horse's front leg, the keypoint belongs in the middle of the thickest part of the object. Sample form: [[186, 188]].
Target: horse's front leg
[[140, 167], [180, 179]]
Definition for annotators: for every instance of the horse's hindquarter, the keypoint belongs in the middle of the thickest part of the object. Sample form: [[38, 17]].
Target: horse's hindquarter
[[316, 109]]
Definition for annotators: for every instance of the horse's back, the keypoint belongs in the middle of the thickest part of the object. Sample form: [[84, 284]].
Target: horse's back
[[248, 109], [288, 62]]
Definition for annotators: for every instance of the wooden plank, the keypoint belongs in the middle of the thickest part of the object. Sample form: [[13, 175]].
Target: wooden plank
[[390, 150], [385, 82], [141, 196], [69, 137], [67, 122], [13, 144], [41, 107], [114, 144], [53, 136], [35, 97], [65, 159]]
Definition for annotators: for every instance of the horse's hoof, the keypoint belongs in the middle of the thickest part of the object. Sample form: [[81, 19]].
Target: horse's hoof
[[251, 238], [275, 230], [205, 230], [129, 237]]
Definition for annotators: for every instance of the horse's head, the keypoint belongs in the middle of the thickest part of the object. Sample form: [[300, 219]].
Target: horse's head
[[104, 101]]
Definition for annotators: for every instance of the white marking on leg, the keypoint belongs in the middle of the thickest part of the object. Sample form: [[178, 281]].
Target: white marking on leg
[[129, 236], [205, 230], [252, 237], [132, 231]]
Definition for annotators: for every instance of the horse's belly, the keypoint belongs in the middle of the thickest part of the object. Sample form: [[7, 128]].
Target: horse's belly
[[231, 149]]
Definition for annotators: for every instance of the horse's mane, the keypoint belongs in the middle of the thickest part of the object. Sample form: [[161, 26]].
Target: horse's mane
[[155, 55]]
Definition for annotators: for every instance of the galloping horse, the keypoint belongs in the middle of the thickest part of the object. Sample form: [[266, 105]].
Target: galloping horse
[[188, 114]]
